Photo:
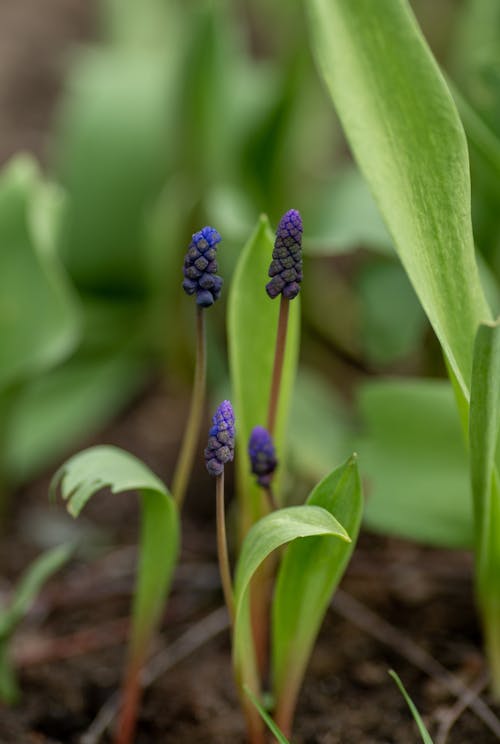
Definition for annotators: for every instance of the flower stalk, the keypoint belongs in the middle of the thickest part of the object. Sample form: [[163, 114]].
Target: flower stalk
[[201, 280]]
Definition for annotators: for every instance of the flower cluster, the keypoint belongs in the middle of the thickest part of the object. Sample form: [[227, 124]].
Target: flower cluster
[[200, 267], [262, 454], [286, 267], [220, 446]]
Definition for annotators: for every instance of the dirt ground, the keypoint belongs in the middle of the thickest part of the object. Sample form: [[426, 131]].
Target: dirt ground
[[401, 606]]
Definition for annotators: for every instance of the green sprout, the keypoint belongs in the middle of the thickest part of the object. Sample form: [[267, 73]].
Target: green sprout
[[79, 479], [37, 574], [302, 550]]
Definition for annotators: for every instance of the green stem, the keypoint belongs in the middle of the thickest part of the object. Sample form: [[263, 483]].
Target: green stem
[[491, 624], [279, 356], [225, 571], [192, 434]]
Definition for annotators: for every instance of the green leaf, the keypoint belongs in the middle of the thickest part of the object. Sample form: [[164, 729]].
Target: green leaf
[[38, 573], [56, 411], [484, 423], [426, 738], [309, 573], [112, 158], [99, 467], [268, 534], [484, 430], [320, 430], [38, 314], [392, 321], [406, 136], [345, 216], [267, 718], [415, 462], [252, 327]]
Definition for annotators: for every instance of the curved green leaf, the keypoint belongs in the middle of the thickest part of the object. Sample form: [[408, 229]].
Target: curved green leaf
[[268, 534], [252, 327], [406, 135], [105, 466], [307, 578]]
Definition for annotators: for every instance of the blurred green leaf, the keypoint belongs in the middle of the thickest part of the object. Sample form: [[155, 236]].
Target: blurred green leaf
[[112, 153], [345, 216], [392, 320], [55, 412], [309, 574], [39, 321], [30, 584], [405, 134], [320, 432], [415, 463], [252, 327], [99, 467]]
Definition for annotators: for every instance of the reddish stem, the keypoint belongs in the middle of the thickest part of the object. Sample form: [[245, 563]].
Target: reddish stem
[[279, 356]]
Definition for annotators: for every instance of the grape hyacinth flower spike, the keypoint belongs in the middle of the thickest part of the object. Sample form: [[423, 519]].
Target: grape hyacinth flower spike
[[286, 267], [286, 275], [263, 460], [200, 267], [200, 279], [218, 452]]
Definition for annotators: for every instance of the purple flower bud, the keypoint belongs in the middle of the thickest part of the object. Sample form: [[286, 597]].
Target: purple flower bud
[[286, 267], [200, 267], [220, 447], [262, 455]]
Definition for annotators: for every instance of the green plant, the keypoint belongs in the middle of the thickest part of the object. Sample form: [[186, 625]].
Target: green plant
[[81, 477], [25, 593], [406, 135], [319, 537]]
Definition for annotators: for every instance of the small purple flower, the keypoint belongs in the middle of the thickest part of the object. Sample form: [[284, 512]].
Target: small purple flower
[[262, 455], [286, 267], [220, 447], [200, 267]]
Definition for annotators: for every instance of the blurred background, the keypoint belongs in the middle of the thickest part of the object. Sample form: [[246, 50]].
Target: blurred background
[[125, 127]]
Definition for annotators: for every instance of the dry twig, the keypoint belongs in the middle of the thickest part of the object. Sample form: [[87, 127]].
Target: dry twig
[[193, 639]]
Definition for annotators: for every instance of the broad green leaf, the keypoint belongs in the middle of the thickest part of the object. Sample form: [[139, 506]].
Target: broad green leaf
[[100, 467], [25, 594], [56, 411], [267, 718], [426, 737], [309, 573], [268, 534], [415, 462], [406, 136], [38, 313], [252, 327]]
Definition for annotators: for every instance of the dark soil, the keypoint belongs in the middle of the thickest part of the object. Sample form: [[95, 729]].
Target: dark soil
[[70, 650]]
